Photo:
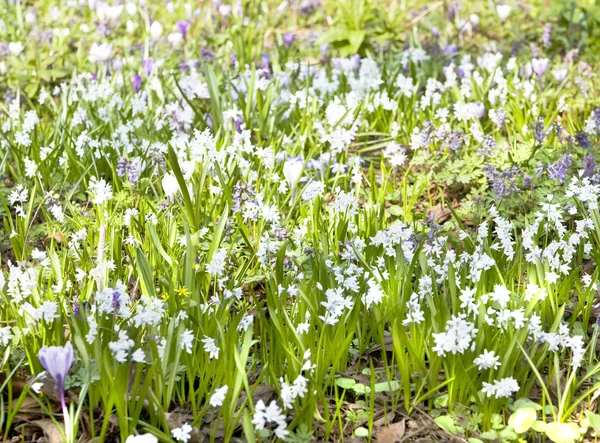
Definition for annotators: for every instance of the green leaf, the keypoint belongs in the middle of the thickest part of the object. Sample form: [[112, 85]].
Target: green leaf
[[525, 403], [447, 422], [345, 383], [387, 386], [361, 432], [594, 420], [522, 419], [563, 432]]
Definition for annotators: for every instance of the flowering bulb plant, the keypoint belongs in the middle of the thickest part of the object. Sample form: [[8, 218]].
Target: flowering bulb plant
[[240, 229]]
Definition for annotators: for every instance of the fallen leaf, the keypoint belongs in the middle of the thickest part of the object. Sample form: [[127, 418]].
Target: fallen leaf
[[51, 431], [392, 433]]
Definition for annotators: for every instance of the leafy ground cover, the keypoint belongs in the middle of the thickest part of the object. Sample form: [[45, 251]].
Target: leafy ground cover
[[299, 221]]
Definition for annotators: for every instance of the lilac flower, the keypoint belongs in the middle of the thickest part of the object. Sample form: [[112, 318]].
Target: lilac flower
[[324, 48], [487, 146], [288, 39], [57, 361], [434, 31], [538, 131], [265, 62], [528, 182], [597, 117], [589, 165], [136, 81], [503, 183], [583, 141], [558, 170], [546, 36], [540, 66]]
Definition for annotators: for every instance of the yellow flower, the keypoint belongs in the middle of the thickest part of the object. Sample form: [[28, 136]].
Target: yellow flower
[[182, 291], [165, 297]]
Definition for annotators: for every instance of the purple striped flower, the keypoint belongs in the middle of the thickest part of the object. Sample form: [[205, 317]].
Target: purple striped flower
[[183, 26], [57, 361], [288, 39], [136, 81]]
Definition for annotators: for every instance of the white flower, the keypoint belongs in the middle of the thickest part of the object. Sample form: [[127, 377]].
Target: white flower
[[175, 38], [270, 414], [156, 30], [183, 433], [138, 356], [503, 11], [187, 339], [313, 190], [292, 170], [100, 53], [100, 190], [218, 397], [501, 388], [210, 346], [217, 263], [5, 335], [15, 48], [487, 360], [170, 185]]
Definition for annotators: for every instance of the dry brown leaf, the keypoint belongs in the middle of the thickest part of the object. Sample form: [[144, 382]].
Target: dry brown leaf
[[51, 431], [392, 433]]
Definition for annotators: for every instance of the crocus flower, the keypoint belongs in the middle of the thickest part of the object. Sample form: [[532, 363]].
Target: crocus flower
[[559, 74], [170, 185], [148, 64], [292, 170], [15, 48], [540, 66], [57, 361], [100, 53], [479, 110], [156, 30], [503, 12], [136, 81], [288, 39], [183, 26]]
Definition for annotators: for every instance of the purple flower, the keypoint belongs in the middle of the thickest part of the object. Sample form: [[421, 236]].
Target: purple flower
[[136, 81], [183, 26], [558, 171], [540, 66], [148, 63], [504, 183], [589, 165], [265, 62], [324, 48], [528, 182], [559, 74], [479, 110], [546, 36], [453, 9], [582, 140], [288, 39], [57, 361], [597, 117], [538, 131], [450, 49]]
